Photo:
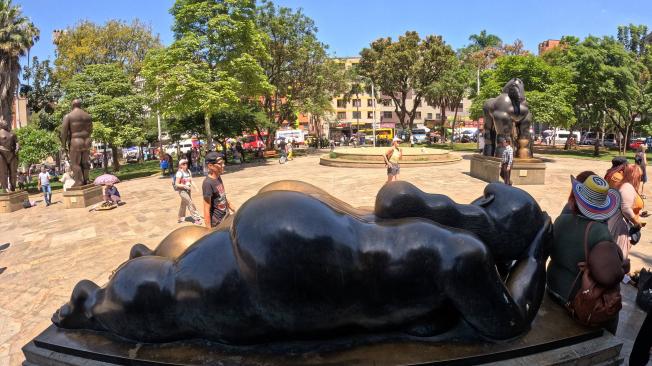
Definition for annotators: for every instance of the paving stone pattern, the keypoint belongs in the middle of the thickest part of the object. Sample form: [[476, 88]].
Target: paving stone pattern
[[53, 248]]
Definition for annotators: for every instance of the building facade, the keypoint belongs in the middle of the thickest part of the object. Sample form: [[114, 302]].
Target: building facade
[[19, 116], [547, 45], [357, 113]]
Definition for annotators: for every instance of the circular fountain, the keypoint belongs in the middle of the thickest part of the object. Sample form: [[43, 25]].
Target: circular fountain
[[372, 157]]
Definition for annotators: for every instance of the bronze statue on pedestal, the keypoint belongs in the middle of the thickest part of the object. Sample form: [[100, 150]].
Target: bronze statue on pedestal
[[8, 157], [76, 140], [508, 116]]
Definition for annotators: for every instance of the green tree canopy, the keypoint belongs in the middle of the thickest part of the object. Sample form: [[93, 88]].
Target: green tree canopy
[[87, 43], [406, 68], [213, 64], [36, 144]]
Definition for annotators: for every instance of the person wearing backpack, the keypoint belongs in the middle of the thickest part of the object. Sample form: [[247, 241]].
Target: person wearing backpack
[[587, 287]]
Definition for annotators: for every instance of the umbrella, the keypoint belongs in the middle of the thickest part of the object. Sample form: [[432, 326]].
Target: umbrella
[[106, 179]]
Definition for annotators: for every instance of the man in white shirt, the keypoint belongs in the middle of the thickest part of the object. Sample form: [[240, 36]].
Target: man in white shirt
[[44, 185], [506, 162]]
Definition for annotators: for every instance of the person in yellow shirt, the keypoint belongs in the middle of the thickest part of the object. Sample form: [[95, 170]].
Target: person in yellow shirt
[[392, 156]]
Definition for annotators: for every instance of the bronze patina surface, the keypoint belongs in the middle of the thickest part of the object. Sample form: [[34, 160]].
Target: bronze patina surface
[[76, 131]]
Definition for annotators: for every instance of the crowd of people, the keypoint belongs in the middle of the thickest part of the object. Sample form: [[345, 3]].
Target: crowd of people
[[593, 237]]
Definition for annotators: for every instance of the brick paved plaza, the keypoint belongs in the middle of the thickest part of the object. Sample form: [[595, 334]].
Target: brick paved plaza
[[52, 248]]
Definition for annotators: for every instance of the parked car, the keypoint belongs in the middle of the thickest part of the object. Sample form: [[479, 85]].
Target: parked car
[[588, 138], [634, 144]]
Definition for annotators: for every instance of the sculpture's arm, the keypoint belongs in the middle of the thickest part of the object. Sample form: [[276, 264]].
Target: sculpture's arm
[[65, 133]]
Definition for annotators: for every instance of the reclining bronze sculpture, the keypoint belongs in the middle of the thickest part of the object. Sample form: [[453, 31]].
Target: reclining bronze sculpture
[[299, 264]]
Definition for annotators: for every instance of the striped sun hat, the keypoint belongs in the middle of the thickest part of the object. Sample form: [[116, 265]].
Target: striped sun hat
[[595, 199]]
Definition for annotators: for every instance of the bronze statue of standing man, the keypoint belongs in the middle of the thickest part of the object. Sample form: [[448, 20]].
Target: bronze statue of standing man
[[76, 139], [8, 157]]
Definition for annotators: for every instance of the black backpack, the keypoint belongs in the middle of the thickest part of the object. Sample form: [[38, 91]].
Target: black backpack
[[644, 296]]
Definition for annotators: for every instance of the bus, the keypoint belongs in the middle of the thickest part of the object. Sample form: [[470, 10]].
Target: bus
[[382, 134]]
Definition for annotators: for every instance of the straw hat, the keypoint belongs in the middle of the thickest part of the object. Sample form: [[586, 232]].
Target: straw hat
[[595, 199]]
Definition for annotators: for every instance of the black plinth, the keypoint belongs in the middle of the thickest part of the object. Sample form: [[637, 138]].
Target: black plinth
[[552, 329]]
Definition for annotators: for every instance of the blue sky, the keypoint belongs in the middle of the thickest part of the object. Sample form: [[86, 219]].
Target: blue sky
[[348, 26]]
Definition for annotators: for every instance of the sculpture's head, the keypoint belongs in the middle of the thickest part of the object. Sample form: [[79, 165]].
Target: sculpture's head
[[75, 313], [76, 103], [4, 125], [515, 89]]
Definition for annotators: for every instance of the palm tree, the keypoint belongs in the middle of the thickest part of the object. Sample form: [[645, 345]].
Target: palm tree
[[17, 36], [484, 40]]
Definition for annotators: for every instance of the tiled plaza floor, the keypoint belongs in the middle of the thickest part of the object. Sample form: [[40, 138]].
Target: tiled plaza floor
[[53, 248]]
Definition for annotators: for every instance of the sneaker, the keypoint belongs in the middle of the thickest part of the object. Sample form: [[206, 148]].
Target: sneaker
[[198, 222], [180, 221], [2, 269], [4, 246]]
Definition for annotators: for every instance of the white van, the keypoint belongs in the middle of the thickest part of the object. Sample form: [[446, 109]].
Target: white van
[[562, 135]]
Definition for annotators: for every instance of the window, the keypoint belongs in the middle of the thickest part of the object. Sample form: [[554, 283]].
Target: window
[[460, 106], [387, 114], [429, 116], [341, 115], [451, 108], [438, 116], [387, 102], [356, 103], [370, 114], [341, 103], [418, 115], [370, 102], [357, 115]]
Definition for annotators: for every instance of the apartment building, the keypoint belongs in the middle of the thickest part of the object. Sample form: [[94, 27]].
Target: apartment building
[[357, 113], [548, 45]]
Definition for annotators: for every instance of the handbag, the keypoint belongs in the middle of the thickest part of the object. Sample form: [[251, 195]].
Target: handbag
[[634, 233], [644, 295], [592, 304]]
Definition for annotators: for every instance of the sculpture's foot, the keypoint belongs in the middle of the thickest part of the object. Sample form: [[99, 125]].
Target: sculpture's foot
[[139, 250], [76, 313], [436, 323]]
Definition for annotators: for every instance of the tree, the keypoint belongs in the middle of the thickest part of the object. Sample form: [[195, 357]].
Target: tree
[[295, 64], [88, 43], [450, 90], [212, 66], [632, 37], [405, 69], [42, 91], [17, 36], [484, 40], [109, 96], [36, 144]]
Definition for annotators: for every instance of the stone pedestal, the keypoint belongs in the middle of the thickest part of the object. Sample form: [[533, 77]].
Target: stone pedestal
[[12, 201], [524, 171], [82, 196], [553, 340]]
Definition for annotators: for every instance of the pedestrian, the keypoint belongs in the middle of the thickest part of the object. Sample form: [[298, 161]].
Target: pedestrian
[[392, 156], [164, 164], [282, 147], [290, 150], [241, 151], [641, 160], [332, 144], [216, 205], [44, 185], [628, 221], [170, 160], [111, 194], [191, 165], [507, 161], [481, 140], [183, 185], [67, 180], [591, 203], [614, 176]]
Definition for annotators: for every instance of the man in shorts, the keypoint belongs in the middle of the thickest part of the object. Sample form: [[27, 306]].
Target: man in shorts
[[216, 206]]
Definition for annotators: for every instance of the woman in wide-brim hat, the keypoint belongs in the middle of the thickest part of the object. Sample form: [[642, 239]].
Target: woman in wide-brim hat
[[591, 204]]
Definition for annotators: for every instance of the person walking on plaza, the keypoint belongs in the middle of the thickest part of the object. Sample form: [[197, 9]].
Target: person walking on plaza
[[290, 150], [216, 205], [392, 156], [581, 235], [44, 185], [506, 162], [641, 161], [628, 220], [183, 185], [641, 350]]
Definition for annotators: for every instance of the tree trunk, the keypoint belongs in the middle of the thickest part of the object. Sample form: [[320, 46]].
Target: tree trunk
[[567, 143], [105, 160], [596, 143], [453, 128], [209, 134], [269, 144], [141, 156], [443, 122], [116, 162]]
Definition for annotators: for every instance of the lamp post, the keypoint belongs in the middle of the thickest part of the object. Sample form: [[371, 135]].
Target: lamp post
[[373, 123]]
